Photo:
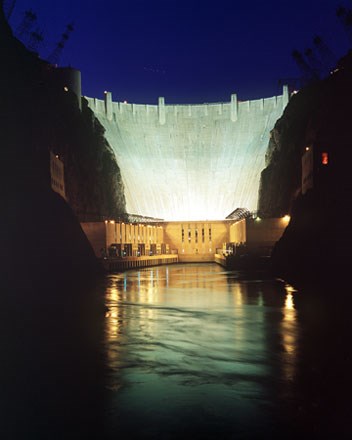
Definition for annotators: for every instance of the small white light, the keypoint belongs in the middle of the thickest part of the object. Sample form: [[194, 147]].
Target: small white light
[[66, 89]]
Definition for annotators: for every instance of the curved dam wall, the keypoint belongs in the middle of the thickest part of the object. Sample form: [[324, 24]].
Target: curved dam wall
[[189, 162]]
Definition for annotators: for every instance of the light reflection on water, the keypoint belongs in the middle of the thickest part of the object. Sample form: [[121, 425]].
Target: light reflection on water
[[289, 334], [194, 348]]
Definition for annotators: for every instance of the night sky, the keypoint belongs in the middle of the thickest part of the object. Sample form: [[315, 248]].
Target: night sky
[[189, 51]]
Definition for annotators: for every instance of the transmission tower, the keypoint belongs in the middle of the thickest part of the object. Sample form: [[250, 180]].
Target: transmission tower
[[55, 55], [328, 59], [35, 40], [314, 62], [345, 17], [308, 73], [26, 24]]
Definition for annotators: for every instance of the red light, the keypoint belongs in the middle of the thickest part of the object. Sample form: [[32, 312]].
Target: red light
[[324, 158]]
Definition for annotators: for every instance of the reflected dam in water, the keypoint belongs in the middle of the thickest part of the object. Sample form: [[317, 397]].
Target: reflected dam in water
[[193, 350]]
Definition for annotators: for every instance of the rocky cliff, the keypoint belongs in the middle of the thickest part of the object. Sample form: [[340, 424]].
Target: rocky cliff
[[315, 245], [40, 232], [50, 300], [38, 115], [281, 179]]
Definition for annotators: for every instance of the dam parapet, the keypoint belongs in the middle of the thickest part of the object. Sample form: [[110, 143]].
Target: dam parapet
[[162, 112]]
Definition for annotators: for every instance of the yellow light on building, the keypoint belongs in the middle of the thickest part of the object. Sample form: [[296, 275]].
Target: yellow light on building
[[286, 218]]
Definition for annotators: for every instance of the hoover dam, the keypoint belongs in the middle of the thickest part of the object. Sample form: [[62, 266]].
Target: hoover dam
[[189, 162]]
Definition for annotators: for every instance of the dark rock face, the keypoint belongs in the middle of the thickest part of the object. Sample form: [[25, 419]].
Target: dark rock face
[[51, 306], [51, 320], [315, 246], [37, 117], [42, 240], [281, 179]]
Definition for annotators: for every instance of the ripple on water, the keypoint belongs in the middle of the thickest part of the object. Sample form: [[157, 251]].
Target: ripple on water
[[196, 342]]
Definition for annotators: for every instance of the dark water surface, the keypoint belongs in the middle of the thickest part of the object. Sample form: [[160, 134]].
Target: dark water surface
[[179, 351], [195, 350]]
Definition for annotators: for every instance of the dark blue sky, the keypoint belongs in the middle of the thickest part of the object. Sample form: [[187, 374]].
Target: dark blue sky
[[189, 51]]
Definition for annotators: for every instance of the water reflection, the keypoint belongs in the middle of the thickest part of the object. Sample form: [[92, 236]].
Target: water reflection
[[189, 351], [196, 348], [289, 331]]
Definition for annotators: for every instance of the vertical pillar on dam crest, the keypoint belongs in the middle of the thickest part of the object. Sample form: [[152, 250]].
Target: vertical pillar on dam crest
[[161, 109], [108, 105], [234, 108], [285, 97]]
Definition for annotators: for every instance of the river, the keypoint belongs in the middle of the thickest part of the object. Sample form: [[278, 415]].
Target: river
[[195, 350], [179, 351]]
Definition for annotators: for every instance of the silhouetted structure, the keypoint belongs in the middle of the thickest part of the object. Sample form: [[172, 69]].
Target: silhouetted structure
[[308, 73], [36, 38], [26, 24], [239, 213], [345, 17], [328, 58], [314, 62], [54, 57]]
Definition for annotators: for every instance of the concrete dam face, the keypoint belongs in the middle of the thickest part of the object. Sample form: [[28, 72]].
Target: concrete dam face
[[189, 162]]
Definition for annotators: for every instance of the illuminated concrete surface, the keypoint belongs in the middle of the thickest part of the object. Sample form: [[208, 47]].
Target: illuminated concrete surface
[[189, 162]]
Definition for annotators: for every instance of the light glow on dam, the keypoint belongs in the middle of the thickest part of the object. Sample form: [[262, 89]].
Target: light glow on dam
[[189, 162]]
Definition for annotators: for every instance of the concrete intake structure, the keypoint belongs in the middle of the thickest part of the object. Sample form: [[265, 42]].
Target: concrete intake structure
[[190, 162]]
